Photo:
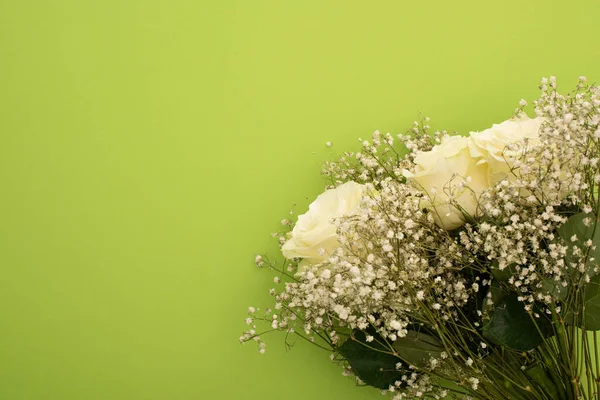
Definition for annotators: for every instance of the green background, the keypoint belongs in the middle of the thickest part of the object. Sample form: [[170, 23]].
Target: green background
[[149, 148]]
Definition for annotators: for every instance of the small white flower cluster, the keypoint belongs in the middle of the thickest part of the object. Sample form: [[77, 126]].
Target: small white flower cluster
[[385, 270], [552, 179], [382, 263]]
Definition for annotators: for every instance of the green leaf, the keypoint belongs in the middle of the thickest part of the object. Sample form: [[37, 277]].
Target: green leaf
[[513, 327], [502, 274], [591, 314], [542, 378], [371, 361], [575, 226], [589, 309], [587, 312], [417, 348], [497, 293], [554, 289]]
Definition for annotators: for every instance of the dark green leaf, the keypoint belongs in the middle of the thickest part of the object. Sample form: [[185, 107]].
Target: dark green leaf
[[502, 274], [497, 293], [416, 348], [371, 361], [588, 314], [575, 226], [554, 288], [542, 378], [513, 327], [591, 314]]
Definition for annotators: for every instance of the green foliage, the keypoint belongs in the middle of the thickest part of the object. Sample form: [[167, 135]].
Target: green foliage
[[591, 311], [554, 289], [588, 311], [502, 274], [575, 227], [417, 348], [513, 327], [372, 362], [546, 381]]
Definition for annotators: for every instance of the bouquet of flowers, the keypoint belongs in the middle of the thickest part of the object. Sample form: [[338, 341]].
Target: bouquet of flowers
[[446, 266]]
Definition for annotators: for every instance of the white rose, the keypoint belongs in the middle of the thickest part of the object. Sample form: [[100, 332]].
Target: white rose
[[314, 236], [490, 144], [448, 170]]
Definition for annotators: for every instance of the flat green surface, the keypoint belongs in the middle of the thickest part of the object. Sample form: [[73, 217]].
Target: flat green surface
[[148, 148]]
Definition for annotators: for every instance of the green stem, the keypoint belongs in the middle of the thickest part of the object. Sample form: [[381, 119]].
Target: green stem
[[563, 350]]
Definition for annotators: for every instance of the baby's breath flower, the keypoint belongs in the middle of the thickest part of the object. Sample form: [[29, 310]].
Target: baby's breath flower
[[386, 271]]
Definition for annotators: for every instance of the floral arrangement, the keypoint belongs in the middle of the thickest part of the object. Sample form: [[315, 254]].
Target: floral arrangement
[[445, 266]]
